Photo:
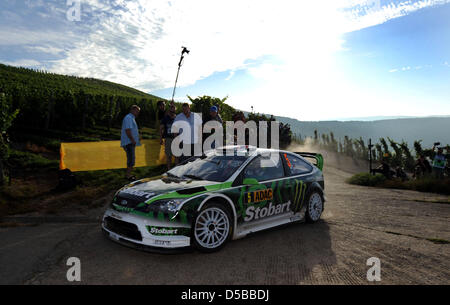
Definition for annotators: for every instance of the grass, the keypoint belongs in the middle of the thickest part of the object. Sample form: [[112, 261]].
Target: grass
[[30, 161], [38, 194], [51, 139], [427, 184], [34, 177], [367, 179]]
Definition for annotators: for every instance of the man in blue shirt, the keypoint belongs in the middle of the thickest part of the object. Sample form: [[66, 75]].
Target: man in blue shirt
[[129, 139]]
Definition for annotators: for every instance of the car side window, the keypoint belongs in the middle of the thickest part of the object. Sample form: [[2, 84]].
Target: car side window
[[296, 166], [264, 168]]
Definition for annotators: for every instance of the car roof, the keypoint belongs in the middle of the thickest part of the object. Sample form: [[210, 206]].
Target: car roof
[[251, 150]]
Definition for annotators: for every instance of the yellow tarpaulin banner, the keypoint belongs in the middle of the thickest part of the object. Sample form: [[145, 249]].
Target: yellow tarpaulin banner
[[87, 156]]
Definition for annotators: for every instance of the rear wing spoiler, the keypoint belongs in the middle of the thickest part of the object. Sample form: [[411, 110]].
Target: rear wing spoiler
[[316, 156]]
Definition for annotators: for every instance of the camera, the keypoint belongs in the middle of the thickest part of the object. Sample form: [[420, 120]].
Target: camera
[[437, 144]]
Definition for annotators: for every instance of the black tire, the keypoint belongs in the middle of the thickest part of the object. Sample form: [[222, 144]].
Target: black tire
[[314, 206], [220, 231]]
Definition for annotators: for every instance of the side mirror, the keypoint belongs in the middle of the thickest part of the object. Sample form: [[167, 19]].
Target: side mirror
[[250, 181]]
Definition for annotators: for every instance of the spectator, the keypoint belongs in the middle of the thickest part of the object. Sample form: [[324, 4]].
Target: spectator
[[218, 114], [439, 162], [189, 137], [239, 116], [161, 110], [213, 116], [166, 133], [129, 139], [384, 168], [422, 167]]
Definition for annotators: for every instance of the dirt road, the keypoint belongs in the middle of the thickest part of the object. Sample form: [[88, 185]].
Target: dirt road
[[408, 231]]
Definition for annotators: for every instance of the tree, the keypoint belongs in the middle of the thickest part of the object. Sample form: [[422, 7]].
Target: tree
[[418, 148], [6, 118], [397, 158], [408, 159], [379, 151]]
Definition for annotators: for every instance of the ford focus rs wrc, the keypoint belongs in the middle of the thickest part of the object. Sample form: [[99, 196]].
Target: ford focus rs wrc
[[225, 194]]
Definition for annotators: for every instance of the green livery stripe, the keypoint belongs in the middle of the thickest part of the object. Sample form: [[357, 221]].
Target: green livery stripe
[[161, 216], [280, 184], [304, 192], [300, 190], [175, 195], [122, 209], [296, 193], [217, 187], [183, 217]]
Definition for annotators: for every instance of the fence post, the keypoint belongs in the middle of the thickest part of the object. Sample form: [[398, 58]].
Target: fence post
[[370, 156]]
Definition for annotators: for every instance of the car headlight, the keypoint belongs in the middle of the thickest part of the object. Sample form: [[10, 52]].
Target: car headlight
[[164, 205], [170, 205]]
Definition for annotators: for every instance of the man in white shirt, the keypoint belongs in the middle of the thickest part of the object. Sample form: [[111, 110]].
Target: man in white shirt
[[129, 139], [189, 125]]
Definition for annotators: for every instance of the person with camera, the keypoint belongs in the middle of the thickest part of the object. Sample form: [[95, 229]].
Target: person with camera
[[439, 161], [165, 135], [161, 111]]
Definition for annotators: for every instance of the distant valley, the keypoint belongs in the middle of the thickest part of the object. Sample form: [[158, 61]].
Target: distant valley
[[428, 129]]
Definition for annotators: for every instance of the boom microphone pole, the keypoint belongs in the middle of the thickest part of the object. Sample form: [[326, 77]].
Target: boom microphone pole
[[184, 50]]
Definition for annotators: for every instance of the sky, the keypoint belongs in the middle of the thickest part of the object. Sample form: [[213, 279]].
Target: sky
[[310, 60]]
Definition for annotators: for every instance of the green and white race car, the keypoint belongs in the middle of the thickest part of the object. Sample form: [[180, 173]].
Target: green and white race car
[[225, 194]]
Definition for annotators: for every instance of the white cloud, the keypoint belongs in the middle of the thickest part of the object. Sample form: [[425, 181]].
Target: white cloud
[[24, 63], [18, 37], [359, 17], [408, 68], [139, 45], [45, 49]]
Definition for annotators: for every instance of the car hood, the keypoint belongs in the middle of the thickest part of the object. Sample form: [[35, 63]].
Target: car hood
[[146, 189]]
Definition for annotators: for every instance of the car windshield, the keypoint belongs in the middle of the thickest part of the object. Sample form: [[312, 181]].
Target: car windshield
[[212, 168]]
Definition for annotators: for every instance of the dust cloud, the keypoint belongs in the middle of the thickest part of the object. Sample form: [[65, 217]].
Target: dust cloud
[[332, 159]]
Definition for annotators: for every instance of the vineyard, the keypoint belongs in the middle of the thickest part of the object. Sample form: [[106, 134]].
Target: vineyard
[[51, 101], [399, 154]]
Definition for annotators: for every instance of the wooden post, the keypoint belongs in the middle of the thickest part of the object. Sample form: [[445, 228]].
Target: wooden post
[[370, 155]]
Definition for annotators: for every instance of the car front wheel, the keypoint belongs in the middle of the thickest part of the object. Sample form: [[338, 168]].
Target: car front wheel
[[211, 228]]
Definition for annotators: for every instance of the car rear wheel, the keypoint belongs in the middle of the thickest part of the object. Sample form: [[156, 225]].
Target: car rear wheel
[[211, 228], [315, 206]]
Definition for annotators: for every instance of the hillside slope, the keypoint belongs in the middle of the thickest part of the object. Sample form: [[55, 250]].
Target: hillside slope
[[12, 78]]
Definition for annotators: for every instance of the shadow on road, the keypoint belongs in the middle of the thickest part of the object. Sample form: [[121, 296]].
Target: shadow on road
[[284, 255]]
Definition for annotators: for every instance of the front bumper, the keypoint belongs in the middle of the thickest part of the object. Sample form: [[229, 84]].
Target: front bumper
[[132, 230]]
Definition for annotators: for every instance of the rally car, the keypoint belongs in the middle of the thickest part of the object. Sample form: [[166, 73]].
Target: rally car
[[225, 194]]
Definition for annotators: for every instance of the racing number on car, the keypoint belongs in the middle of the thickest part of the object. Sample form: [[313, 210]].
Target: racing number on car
[[258, 196]]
